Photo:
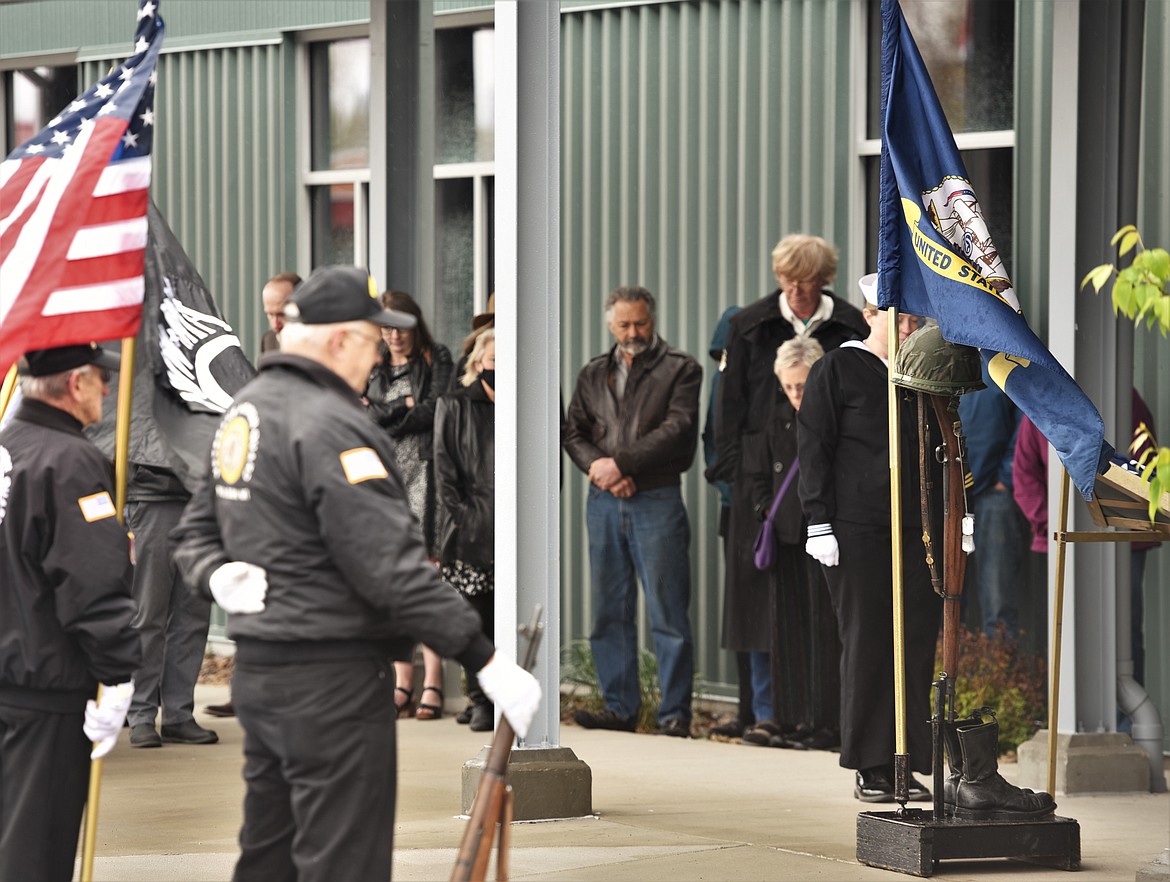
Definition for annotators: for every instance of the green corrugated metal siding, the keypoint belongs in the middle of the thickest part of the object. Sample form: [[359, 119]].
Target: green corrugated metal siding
[[693, 138], [64, 25], [1152, 349], [1033, 62]]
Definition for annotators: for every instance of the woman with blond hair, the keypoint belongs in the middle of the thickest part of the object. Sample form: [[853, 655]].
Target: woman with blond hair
[[465, 468]]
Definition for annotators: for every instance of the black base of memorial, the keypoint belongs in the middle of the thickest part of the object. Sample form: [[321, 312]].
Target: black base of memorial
[[914, 842]]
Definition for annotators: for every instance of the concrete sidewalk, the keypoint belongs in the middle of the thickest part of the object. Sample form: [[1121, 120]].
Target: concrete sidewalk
[[665, 808]]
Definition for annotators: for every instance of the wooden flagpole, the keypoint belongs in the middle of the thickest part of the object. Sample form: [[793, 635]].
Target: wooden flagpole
[[121, 462], [7, 390], [897, 601]]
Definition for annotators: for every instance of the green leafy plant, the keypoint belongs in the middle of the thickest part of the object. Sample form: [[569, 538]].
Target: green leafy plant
[[1141, 291], [579, 673], [995, 672]]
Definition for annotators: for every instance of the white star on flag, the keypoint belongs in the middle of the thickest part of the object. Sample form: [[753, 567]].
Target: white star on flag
[[61, 138], [147, 117]]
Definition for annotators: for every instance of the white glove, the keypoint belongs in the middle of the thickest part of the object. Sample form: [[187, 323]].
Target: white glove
[[822, 544], [513, 690], [239, 587], [104, 717]]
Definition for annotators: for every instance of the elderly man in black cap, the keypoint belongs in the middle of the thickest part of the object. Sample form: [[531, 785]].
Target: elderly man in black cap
[[65, 609], [304, 535]]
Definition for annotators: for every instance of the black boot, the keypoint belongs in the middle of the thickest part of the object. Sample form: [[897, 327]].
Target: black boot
[[982, 793], [954, 760]]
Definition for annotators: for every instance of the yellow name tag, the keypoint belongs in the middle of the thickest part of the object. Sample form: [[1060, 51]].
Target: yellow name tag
[[96, 507], [362, 464]]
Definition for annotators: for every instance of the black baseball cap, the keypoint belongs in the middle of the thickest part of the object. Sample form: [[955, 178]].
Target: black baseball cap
[[46, 362], [334, 294]]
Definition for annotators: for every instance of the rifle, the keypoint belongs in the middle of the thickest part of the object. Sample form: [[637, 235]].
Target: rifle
[[494, 798]]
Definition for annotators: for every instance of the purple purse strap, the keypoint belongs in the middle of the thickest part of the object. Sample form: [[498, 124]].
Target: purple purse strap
[[793, 469]]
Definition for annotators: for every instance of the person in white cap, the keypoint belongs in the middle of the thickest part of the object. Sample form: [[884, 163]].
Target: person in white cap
[[843, 444], [304, 535]]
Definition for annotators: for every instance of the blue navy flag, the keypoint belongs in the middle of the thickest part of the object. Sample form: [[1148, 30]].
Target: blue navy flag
[[73, 212], [936, 258]]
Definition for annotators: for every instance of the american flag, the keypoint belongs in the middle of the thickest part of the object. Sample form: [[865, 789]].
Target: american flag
[[73, 212]]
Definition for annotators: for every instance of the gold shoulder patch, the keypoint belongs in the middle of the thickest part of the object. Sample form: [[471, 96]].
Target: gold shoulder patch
[[97, 506], [362, 464]]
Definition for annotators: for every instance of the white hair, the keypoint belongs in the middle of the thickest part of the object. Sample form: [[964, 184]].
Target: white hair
[[47, 388], [297, 337]]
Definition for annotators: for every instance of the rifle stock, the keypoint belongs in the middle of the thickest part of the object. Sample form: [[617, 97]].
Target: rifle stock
[[493, 798]]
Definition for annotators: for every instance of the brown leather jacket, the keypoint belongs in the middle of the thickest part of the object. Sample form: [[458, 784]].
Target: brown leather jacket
[[652, 432]]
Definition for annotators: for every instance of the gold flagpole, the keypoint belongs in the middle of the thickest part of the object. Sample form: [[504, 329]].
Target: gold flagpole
[[121, 461], [900, 754], [1057, 631], [7, 390]]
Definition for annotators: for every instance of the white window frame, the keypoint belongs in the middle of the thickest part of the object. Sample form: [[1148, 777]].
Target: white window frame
[[308, 178], [867, 147]]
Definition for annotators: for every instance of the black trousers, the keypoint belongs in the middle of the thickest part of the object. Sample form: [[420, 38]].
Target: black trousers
[[861, 592], [319, 764], [44, 770], [171, 620]]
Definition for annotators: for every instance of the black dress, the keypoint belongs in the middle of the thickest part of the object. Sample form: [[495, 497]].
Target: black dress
[[805, 648], [845, 481]]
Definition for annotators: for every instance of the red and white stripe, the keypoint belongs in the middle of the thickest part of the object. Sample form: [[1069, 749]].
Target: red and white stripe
[[72, 244]]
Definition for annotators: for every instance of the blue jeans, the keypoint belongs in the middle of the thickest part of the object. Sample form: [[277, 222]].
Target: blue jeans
[[1000, 546], [647, 534], [762, 686]]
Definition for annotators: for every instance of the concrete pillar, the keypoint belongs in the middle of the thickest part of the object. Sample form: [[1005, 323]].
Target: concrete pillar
[[402, 148]]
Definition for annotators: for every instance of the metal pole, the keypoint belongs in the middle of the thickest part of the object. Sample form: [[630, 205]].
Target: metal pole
[[1057, 628], [121, 461]]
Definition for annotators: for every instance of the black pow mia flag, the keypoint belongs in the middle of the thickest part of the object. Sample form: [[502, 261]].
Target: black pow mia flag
[[188, 365]]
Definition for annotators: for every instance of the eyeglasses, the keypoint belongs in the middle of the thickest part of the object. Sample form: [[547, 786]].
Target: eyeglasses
[[103, 373]]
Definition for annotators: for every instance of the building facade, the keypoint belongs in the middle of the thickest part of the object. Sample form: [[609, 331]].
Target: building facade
[[694, 134]]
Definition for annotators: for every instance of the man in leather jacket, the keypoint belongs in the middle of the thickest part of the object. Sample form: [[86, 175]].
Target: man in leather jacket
[[632, 427], [303, 534]]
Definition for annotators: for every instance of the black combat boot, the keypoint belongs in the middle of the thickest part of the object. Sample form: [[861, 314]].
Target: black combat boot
[[954, 760], [982, 793]]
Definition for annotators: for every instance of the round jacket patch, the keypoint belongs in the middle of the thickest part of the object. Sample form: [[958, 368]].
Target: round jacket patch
[[234, 449]]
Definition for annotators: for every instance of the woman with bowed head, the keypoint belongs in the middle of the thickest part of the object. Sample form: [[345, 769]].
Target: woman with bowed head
[[465, 468], [403, 390], [805, 650]]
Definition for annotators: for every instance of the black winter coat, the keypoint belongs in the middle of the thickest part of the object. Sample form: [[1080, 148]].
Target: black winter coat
[[430, 374], [304, 485], [748, 385], [465, 475], [768, 464], [65, 572]]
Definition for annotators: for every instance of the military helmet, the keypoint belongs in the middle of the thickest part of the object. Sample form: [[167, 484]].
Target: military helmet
[[928, 363]]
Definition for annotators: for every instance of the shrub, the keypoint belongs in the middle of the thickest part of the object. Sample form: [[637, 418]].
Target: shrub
[[580, 673], [994, 672]]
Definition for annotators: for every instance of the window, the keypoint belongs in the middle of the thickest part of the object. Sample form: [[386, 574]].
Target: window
[[464, 175], [31, 98], [338, 175], [339, 151], [969, 49]]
